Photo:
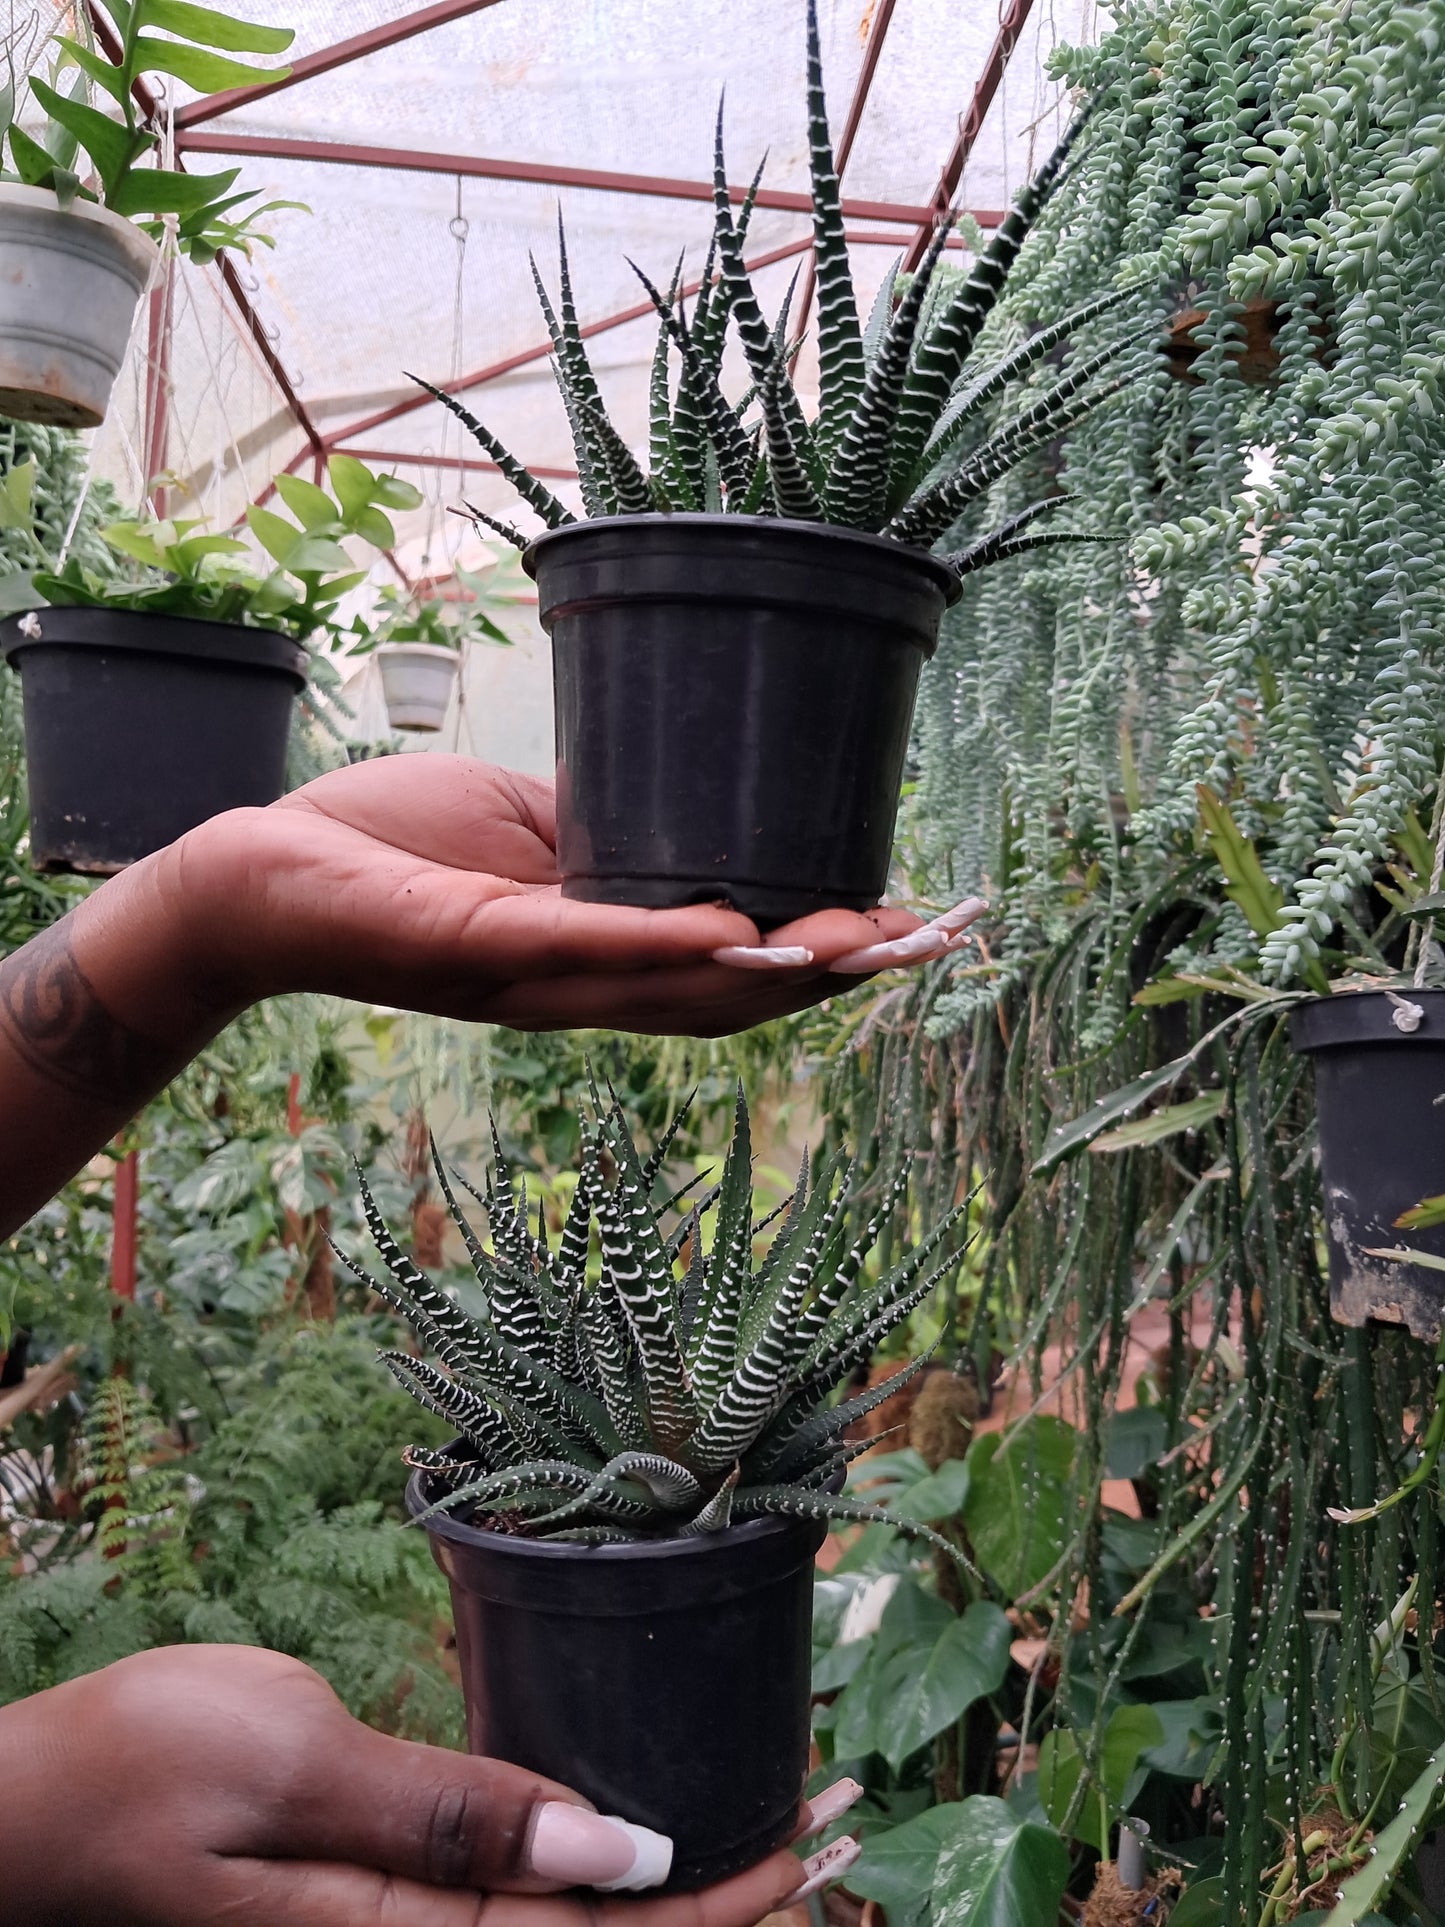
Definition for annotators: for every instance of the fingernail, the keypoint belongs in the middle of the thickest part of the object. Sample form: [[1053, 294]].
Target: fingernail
[[830, 1863], [930, 940], [830, 1805], [761, 956], [583, 1849]]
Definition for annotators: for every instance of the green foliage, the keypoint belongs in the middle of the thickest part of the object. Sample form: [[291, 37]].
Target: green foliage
[[194, 44], [181, 569], [679, 1383], [405, 615], [906, 435]]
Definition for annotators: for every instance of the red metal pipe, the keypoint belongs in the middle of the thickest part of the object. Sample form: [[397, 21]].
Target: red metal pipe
[[1010, 26], [540, 352], [472, 464], [539, 173], [325, 59], [123, 1222]]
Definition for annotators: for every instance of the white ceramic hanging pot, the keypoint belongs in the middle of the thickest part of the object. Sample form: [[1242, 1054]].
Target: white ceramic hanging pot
[[417, 679], [69, 284]]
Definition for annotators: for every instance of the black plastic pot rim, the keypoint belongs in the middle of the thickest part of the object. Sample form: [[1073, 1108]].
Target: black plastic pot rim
[[1350, 1018], [443, 1525], [192, 638], [755, 527]]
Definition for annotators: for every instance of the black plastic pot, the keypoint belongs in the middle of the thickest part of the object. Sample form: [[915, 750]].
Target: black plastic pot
[[733, 701], [139, 727], [667, 1681], [1380, 1091]]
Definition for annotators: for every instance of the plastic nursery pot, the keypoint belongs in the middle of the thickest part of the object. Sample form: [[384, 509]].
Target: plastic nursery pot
[[69, 285], [1379, 1085], [139, 727], [733, 700], [417, 679], [668, 1681]]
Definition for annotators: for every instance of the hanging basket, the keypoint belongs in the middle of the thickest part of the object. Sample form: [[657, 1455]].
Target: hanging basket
[[69, 285], [1380, 1090], [733, 701], [417, 679], [139, 727]]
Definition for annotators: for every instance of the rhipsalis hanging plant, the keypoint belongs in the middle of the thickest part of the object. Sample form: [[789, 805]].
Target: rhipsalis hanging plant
[[909, 431], [680, 1384]]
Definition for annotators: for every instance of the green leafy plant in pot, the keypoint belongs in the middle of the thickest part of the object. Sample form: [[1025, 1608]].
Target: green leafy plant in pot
[[186, 645], [419, 639], [83, 204], [737, 633], [647, 1462]]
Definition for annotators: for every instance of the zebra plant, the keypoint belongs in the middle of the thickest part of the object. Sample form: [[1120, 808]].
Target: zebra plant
[[908, 432], [678, 1384]]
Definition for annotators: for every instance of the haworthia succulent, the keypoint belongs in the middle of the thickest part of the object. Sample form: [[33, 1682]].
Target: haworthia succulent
[[504, 529], [680, 1398], [789, 1502], [624, 474], [720, 426]]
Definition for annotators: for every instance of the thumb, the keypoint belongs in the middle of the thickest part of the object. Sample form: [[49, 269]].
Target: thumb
[[449, 1820]]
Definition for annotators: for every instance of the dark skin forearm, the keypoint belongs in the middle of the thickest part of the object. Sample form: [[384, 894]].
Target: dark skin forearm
[[72, 1071], [423, 881]]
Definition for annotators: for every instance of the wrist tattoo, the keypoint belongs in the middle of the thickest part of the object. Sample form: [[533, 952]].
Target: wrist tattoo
[[53, 1019]]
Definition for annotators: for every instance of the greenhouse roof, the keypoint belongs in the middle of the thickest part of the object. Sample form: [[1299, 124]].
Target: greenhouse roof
[[434, 147]]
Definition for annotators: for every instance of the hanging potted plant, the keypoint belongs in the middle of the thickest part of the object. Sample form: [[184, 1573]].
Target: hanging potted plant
[[159, 696], [737, 631], [419, 640], [78, 244], [647, 1463], [1379, 1063]]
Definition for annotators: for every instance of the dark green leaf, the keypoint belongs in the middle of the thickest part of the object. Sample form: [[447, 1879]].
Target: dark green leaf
[[1018, 1501], [995, 1870]]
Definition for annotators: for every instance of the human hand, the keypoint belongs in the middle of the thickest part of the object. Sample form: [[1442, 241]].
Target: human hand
[[203, 1786], [431, 882]]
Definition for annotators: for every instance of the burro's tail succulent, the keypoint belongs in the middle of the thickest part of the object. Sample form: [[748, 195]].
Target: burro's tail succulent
[[648, 1373]]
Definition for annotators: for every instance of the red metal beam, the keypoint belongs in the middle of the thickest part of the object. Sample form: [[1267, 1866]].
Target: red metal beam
[[1010, 26], [339, 54], [883, 14], [538, 173], [472, 464], [495, 370]]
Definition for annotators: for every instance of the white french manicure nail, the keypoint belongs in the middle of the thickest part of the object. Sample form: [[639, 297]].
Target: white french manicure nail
[[829, 1864], [930, 940], [830, 1805], [579, 1848], [762, 956]]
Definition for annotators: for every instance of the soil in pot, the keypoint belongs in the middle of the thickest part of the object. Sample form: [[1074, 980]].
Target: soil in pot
[[139, 727], [733, 701], [667, 1680], [69, 285], [1379, 1065], [417, 679]]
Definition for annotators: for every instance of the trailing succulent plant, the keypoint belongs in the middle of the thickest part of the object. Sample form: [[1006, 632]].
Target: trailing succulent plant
[[907, 434], [675, 1386]]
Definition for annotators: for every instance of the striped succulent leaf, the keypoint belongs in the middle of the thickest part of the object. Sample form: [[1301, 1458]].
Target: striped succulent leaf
[[478, 1419], [923, 520], [632, 1251], [504, 529], [793, 492], [444, 1466], [532, 1486], [720, 426], [616, 460], [718, 1511], [836, 1284], [592, 478], [949, 342], [790, 1502], [858, 471], [714, 1346], [806, 1437], [881, 312], [840, 343], [998, 547], [964, 408], [666, 473], [620, 1393], [710, 322], [534, 493]]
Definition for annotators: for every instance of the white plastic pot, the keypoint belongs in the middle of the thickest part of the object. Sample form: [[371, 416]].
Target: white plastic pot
[[417, 679], [69, 284]]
